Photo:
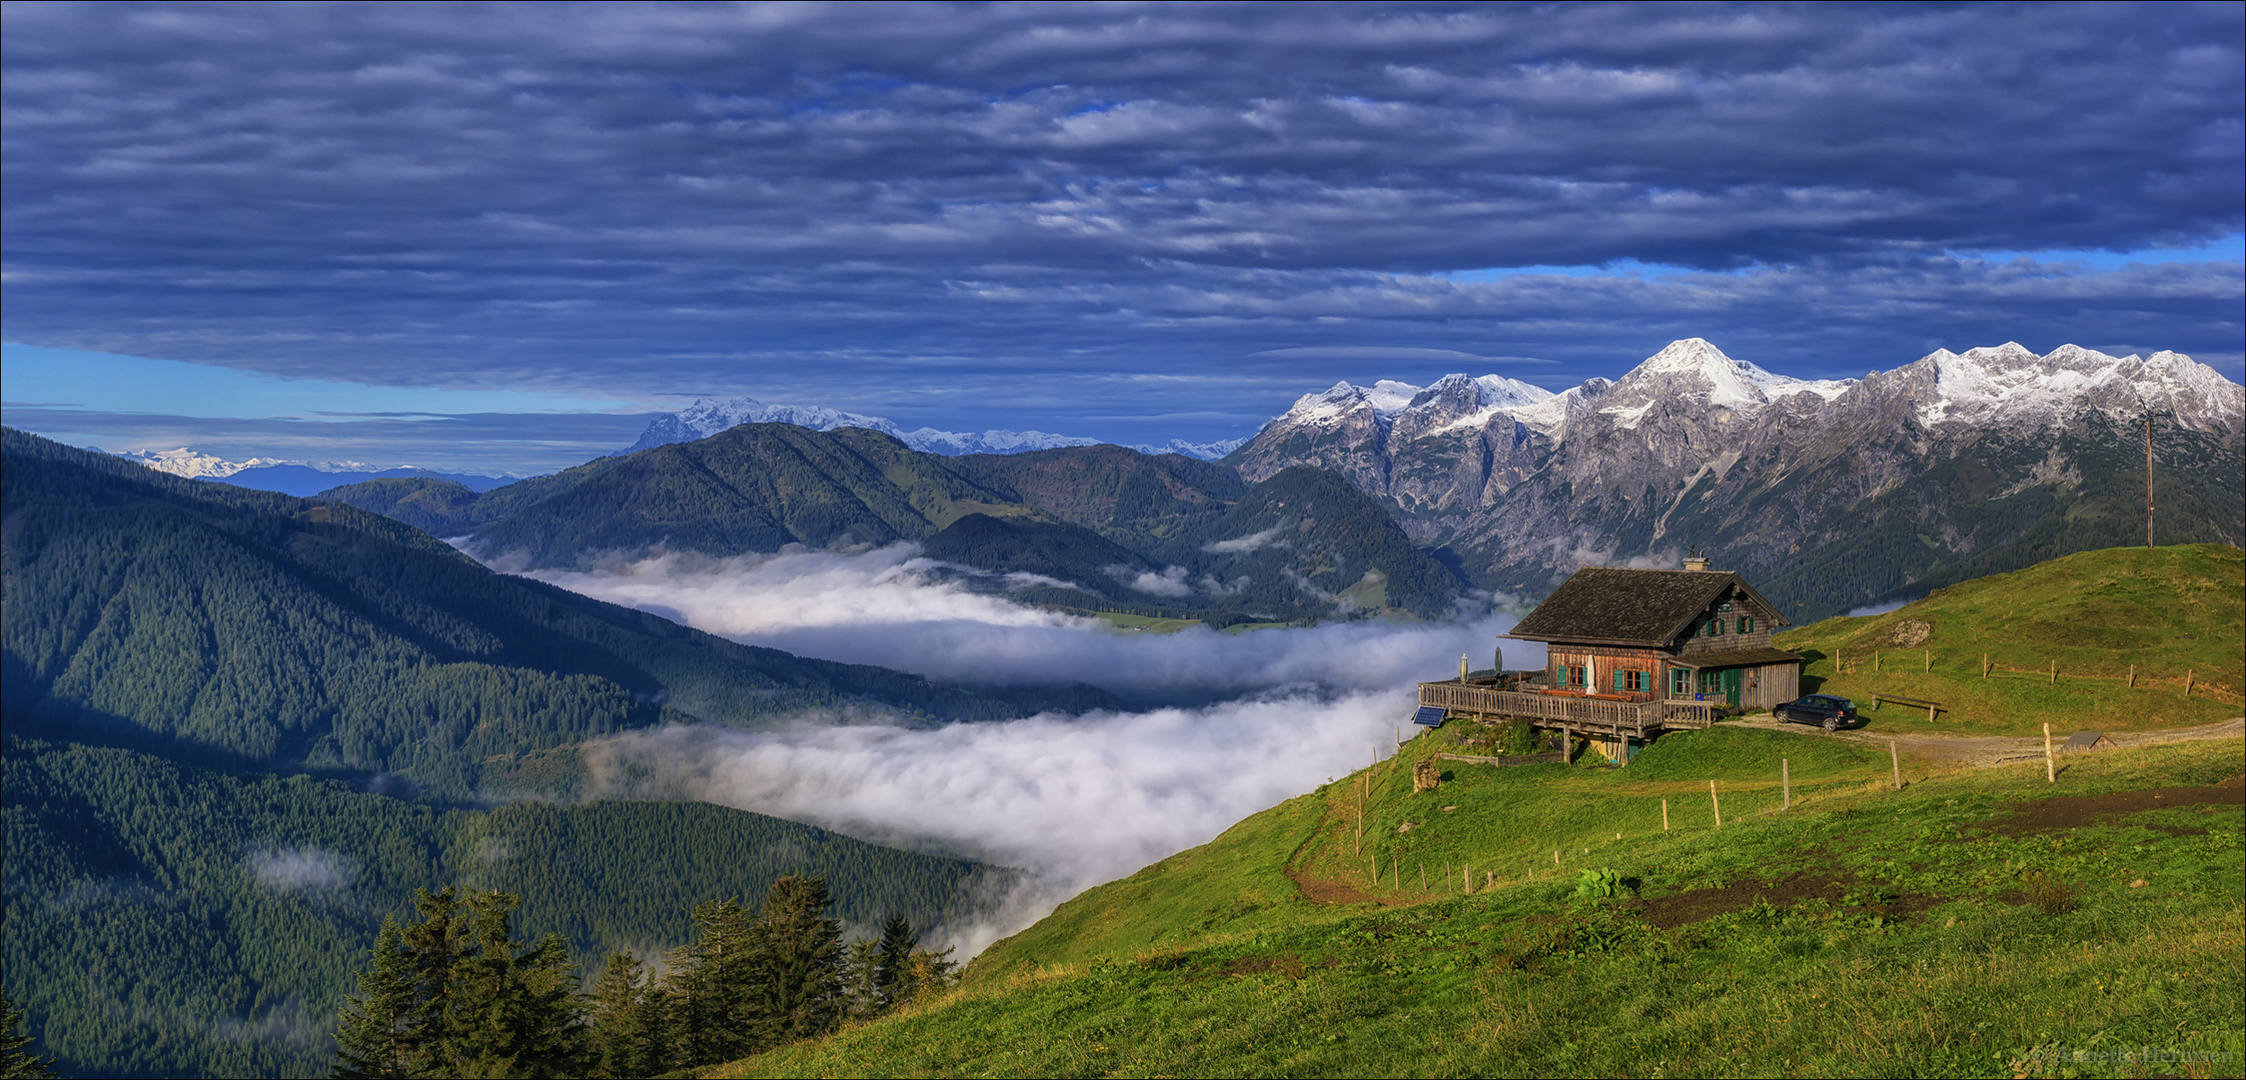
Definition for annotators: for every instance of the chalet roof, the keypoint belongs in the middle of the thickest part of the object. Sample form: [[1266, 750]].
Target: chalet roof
[[1604, 605], [1736, 658]]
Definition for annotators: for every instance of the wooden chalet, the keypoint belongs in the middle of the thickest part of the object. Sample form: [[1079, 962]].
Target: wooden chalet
[[1634, 652]]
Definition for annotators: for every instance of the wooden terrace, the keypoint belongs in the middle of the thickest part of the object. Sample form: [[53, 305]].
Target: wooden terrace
[[1583, 714]]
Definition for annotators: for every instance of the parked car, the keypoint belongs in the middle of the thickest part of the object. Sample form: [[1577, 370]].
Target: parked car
[[1824, 710]]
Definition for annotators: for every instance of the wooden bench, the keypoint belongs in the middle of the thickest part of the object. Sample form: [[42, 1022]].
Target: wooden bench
[[1918, 703]]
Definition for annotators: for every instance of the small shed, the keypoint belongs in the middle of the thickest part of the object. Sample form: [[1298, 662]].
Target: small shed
[[2086, 741]]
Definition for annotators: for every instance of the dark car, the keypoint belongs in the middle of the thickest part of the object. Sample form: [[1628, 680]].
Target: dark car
[[1824, 710]]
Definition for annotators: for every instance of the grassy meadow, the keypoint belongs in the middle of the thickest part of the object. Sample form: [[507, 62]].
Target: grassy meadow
[[1974, 923], [2167, 612]]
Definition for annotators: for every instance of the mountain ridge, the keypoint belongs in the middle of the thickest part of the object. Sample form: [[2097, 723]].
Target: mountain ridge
[[1786, 478]]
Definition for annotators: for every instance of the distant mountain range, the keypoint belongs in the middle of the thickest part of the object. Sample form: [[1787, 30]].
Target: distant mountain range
[[707, 417], [1830, 494], [299, 478], [1083, 526]]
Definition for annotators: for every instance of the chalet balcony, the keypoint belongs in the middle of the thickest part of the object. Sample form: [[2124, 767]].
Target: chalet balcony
[[1636, 716]]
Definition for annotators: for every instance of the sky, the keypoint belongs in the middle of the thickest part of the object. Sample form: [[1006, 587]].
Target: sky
[[493, 237]]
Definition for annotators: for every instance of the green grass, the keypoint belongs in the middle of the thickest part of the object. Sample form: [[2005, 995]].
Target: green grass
[[1945, 946], [2168, 611], [1123, 620]]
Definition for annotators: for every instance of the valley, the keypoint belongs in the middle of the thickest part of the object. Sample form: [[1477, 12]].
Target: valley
[[976, 691]]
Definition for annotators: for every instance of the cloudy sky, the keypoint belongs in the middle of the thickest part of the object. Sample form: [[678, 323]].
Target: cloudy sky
[[487, 236]]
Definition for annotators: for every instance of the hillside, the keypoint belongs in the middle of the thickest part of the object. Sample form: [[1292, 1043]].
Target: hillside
[[1107, 523], [242, 628], [2167, 613], [166, 920], [1862, 930]]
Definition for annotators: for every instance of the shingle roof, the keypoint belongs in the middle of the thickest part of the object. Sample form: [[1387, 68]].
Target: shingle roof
[[1603, 605]]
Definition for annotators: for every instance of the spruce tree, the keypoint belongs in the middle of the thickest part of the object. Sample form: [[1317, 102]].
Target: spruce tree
[[715, 1009], [802, 954], [897, 944], [624, 1025], [376, 1026], [861, 993], [15, 1061]]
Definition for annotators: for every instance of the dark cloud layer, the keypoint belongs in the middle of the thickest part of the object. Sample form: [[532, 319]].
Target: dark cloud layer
[[1080, 218]]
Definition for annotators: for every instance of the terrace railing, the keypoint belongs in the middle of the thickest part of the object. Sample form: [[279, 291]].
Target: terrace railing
[[1569, 710]]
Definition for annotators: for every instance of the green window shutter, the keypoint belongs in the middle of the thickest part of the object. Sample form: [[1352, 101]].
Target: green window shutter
[[1618, 679]]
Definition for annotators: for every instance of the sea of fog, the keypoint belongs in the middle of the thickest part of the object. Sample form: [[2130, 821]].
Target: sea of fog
[[1246, 720]]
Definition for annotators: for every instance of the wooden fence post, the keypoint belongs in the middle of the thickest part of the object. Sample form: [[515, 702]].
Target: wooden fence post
[[1895, 761], [1875, 661], [1984, 665], [2050, 769], [2054, 673], [1785, 784], [1929, 660], [2132, 676], [1664, 815], [2187, 682], [1714, 802]]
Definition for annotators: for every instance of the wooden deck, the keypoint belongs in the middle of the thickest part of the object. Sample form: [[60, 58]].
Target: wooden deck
[[1586, 715]]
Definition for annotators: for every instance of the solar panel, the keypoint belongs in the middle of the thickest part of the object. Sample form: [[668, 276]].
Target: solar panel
[[1428, 716]]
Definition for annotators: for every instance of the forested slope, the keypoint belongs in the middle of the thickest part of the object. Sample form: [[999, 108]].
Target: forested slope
[[237, 626], [168, 920], [1117, 528]]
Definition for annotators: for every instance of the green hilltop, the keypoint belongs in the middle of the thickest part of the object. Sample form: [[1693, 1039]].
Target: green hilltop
[[1862, 929], [2061, 639]]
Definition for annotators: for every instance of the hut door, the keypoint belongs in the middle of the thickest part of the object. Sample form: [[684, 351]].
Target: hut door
[[1731, 686]]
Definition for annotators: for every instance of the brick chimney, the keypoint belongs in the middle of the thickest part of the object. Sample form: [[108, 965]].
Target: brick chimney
[[1696, 562]]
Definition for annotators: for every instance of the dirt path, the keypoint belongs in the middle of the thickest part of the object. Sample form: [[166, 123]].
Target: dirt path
[[1983, 750], [1332, 892]]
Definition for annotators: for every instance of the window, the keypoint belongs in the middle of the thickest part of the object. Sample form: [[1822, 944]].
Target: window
[[1746, 624], [1575, 676], [1637, 681], [1680, 682], [1711, 682]]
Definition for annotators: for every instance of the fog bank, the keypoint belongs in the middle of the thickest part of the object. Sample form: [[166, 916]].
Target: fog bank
[[892, 608], [1075, 801]]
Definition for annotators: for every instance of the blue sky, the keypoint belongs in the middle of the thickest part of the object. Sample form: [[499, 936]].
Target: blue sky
[[489, 237]]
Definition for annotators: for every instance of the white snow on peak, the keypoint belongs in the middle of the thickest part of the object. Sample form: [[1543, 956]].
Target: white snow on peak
[[1695, 367], [1976, 386], [1499, 391], [1386, 398], [1389, 397], [194, 464]]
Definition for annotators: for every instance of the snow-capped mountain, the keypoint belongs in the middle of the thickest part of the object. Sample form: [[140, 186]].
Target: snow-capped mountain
[[1971, 455], [196, 465], [707, 417]]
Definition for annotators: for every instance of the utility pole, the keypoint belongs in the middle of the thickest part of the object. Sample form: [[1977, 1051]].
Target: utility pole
[[2148, 479]]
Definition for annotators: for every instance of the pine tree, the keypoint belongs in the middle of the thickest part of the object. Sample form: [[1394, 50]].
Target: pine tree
[[861, 992], [897, 944], [449, 995], [374, 1028], [15, 1061], [714, 1009], [801, 949], [625, 1021]]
